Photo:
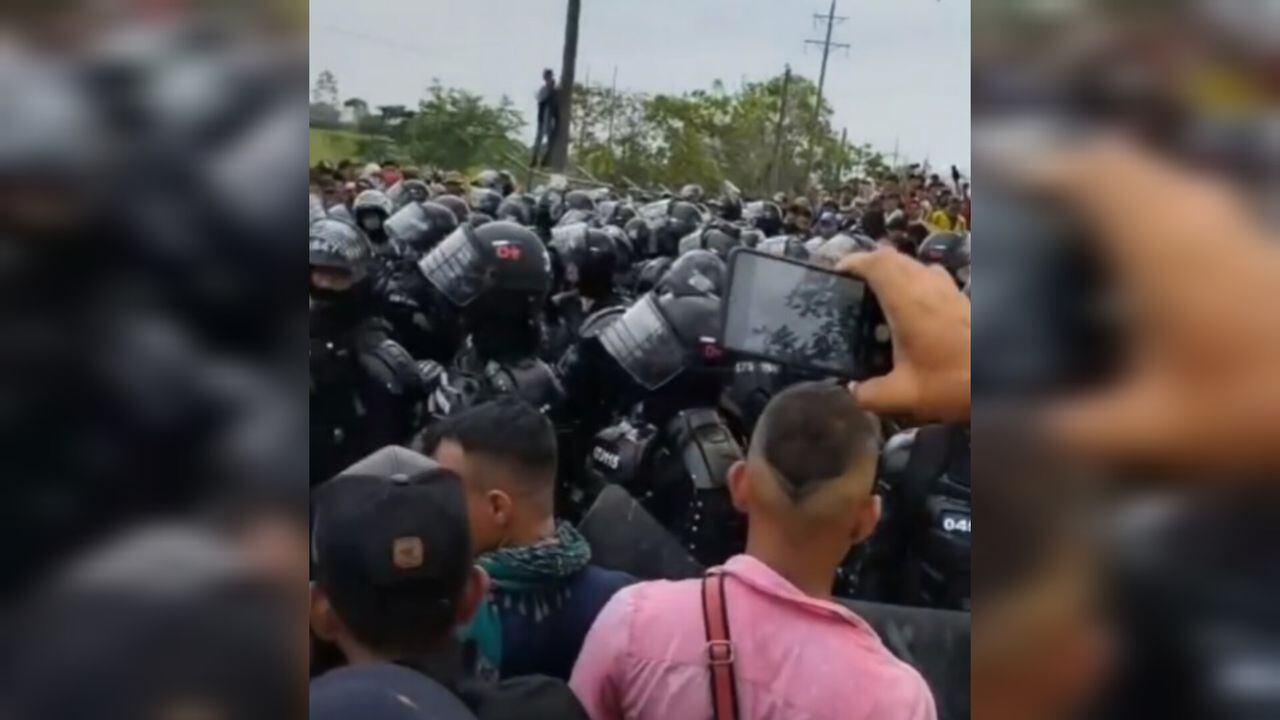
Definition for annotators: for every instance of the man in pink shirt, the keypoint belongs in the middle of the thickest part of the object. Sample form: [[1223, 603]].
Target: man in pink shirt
[[806, 487]]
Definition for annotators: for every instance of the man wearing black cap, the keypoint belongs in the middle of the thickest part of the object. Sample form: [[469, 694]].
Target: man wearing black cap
[[391, 554]]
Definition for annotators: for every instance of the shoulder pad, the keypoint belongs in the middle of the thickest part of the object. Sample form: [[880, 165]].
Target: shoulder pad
[[599, 320], [706, 446], [389, 364], [532, 381]]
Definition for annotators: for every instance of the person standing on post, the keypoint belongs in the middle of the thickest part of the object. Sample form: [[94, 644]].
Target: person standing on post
[[548, 116]]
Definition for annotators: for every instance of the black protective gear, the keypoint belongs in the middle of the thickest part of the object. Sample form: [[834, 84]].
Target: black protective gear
[[638, 230], [340, 246], [763, 216], [514, 209], [661, 336], [417, 191], [575, 216], [588, 257], [679, 473], [785, 246], [549, 208], [718, 238], [420, 226], [477, 219], [750, 237], [920, 552], [371, 209], [650, 274], [697, 272], [472, 381], [730, 202], [365, 389], [579, 200], [951, 251], [456, 205], [484, 200]]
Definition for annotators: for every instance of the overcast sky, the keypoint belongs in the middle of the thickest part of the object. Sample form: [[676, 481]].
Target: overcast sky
[[904, 78]]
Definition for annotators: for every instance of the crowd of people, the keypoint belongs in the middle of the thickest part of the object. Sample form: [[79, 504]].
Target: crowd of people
[[508, 386]]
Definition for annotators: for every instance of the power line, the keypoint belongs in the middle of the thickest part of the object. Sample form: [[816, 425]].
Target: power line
[[830, 19], [385, 43]]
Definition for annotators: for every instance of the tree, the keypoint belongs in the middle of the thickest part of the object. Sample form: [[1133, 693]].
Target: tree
[[569, 62], [325, 90], [457, 129], [359, 108]]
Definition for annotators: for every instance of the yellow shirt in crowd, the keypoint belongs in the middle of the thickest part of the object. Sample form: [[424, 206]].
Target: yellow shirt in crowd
[[939, 220]]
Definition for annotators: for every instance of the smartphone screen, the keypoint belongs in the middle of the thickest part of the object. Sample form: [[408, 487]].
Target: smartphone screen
[[804, 317]]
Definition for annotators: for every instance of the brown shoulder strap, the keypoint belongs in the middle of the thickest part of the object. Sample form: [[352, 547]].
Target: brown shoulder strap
[[715, 617]]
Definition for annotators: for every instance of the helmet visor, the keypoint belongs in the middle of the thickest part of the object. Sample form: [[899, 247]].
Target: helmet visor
[[456, 268], [645, 345]]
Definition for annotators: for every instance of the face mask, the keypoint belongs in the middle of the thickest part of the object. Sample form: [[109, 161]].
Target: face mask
[[371, 223]]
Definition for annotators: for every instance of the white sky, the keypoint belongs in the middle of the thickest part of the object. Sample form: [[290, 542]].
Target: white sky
[[905, 77]]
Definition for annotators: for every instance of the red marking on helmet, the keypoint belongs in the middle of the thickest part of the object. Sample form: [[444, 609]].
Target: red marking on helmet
[[711, 351], [509, 252]]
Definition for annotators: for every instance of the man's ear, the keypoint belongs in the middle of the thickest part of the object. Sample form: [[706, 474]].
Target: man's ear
[[500, 506], [473, 593], [868, 516], [740, 486], [324, 621]]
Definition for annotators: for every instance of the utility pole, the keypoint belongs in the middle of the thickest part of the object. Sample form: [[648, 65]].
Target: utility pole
[[844, 140], [586, 108], [831, 20], [777, 133], [560, 147]]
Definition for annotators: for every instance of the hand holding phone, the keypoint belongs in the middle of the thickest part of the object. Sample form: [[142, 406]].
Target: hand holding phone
[[929, 321], [804, 317]]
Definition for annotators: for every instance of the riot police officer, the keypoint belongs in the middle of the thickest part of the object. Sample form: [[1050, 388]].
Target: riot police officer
[[919, 554], [495, 279], [587, 259], [365, 387], [672, 449]]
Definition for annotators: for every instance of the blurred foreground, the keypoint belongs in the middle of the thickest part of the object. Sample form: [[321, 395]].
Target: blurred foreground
[[156, 494], [1127, 300]]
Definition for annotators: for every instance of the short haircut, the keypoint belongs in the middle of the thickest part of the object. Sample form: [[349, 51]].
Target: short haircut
[[812, 433], [507, 429]]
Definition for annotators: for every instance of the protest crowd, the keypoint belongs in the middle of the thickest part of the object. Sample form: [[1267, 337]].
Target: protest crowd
[[537, 479]]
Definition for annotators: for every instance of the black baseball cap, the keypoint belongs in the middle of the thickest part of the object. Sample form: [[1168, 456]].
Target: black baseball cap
[[390, 546]]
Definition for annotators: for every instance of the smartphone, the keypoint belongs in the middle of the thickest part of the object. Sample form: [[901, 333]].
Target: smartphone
[[804, 317]]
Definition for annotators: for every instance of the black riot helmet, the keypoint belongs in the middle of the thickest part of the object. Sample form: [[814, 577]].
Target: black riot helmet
[[588, 256], [456, 205], [371, 209], [574, 216], [662, 336], [478, 218], [651, 273], [622, 244], [716, 238], [514, 209], [484, 200], [691, 193], [579, 200], [500, 258], [951, 251], [687, 217], [421, 225], [498, 276], [549, 208], [417, 190], [785, 246], [638, 230], [339, 246], [764, 216], [697, 272]]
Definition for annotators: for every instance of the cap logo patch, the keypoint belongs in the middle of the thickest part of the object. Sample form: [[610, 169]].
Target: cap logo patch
[[407, 553]]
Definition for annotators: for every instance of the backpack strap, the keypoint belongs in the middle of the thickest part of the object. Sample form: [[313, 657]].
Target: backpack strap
[[720, 656]]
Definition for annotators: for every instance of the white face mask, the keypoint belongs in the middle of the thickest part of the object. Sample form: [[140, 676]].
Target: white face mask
[[371, 222]]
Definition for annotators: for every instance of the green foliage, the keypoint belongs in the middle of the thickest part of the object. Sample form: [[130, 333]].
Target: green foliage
[[706, 136], [454, 128]]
